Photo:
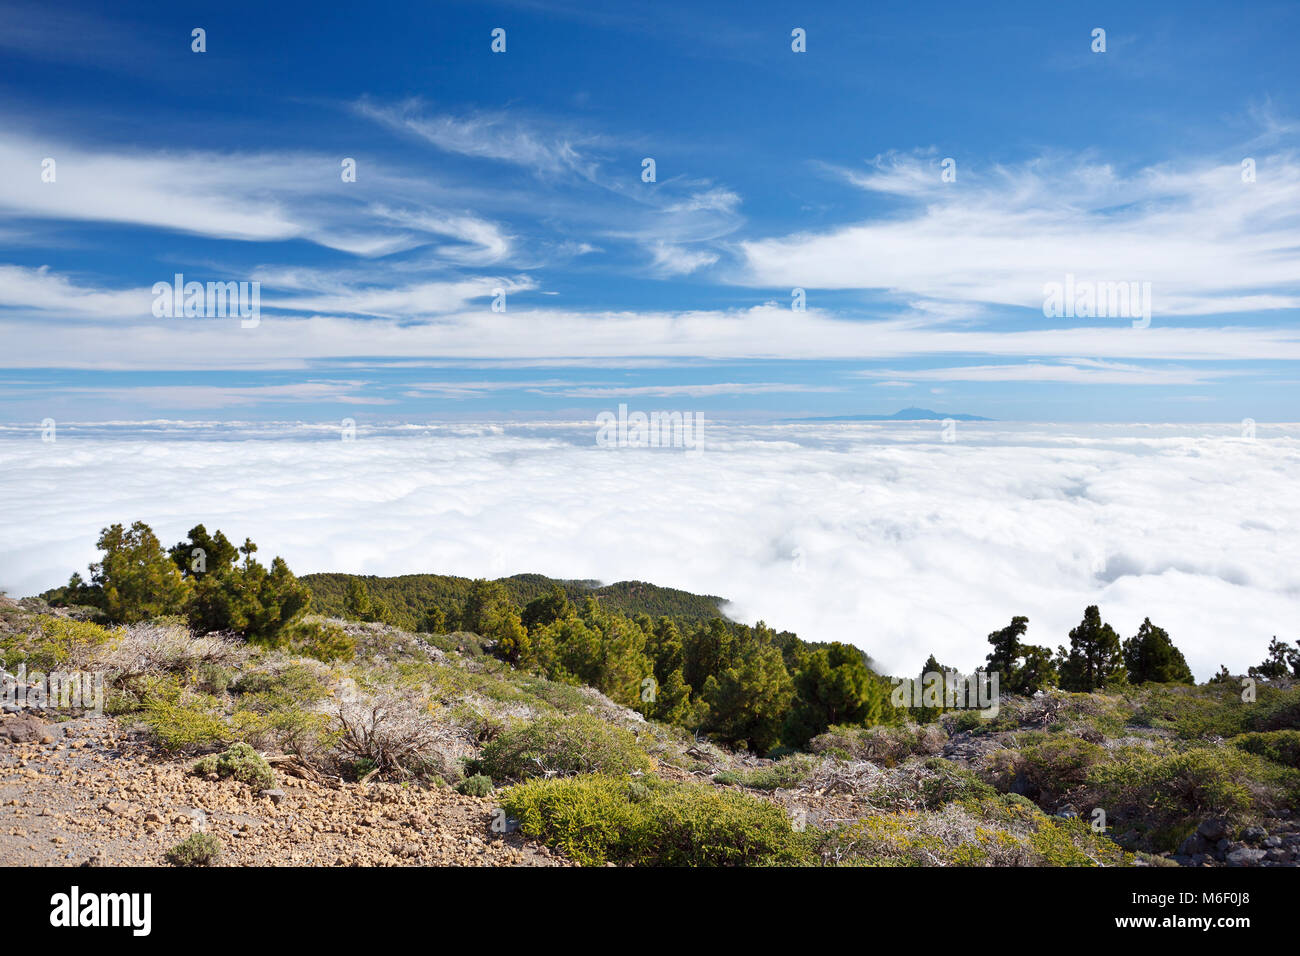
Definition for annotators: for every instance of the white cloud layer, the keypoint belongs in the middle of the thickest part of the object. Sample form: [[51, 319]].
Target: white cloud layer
[[882, 535]]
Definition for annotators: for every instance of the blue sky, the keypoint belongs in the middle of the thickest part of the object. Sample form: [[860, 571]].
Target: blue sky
[[522, 172]]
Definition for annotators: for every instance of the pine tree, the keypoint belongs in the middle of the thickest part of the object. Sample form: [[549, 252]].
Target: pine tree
[[550, 607], [489, 613], [834, 685], [1006, 648], [1150, 656], [357, 605], [227, 594], [1021, 668], [1037, 671], [672, 701], [1222, 677], [434, 620], [501, 623], [707, 651], [208, 563], [928, 697], [137, 578], [1095, 656], [747, 701], [665, 648], [1283, 660]]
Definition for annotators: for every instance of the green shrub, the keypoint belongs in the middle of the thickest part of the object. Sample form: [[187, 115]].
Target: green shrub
[[596, 819], [461, 642], [1168, 790], [947, 782], [274, 709], [576, 744], [930, 784], [1280, 746], [780, 775], [322, 640], [197, 849], [911, 838], [308, 733], [185, 721], [360, 768], [213, 678], [566, 698], [989, 831], [1052, 766], [1059, 841], [1093, 716], [885, 743], [278, 689], [481, 727], [1217, 710], [1276, 709], [53, 643], [980, 721], [479, 785], [638, 791], [241, 762]]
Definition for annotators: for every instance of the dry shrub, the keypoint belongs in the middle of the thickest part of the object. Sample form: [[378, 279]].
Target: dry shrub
[[951, 836], [855, 778], [154, 649], [394, 737], [307, 734]]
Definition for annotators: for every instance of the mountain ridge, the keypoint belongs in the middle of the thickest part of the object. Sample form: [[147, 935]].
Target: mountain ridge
[[409, 595]]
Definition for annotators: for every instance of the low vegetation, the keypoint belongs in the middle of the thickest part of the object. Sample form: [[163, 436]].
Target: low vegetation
[[1007, 832], [677, 739], [597, 819], [197, 849], [240, 762], [479, 785], [563, 745]]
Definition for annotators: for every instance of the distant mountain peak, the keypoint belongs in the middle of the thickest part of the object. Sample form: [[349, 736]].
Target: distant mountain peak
[[914, 414]]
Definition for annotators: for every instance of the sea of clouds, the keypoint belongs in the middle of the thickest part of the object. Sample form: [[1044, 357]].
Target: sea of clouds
[[883, 535]]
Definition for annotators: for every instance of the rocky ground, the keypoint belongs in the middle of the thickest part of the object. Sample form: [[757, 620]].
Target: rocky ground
[[1275, 843], [85, 792]]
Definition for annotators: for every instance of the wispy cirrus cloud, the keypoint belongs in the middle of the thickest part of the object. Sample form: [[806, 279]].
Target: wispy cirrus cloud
[[39, 290], [1207, 241], [420, 299], [267, 197], [1069, 371], [546, 148], [571, 389], [350, 318], [671, 259], [674, 220], [207, 397], [694, 390]]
